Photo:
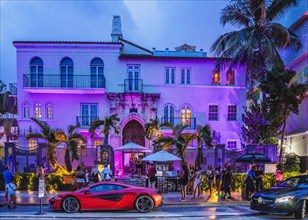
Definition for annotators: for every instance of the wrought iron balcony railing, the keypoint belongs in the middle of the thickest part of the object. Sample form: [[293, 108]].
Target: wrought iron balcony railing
[[191, 122], [133, 85], [85, 121], [13, 88], [64, 81]]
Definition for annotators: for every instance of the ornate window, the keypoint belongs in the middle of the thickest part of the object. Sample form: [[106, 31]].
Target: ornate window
[[215, 77], [49, 111], [170, 75], [169, 114], [133, 77], [232, 112], [67, 72], [185, 76], [89, 113], [97, 73], [36, 72], [232, 144], [25, 110], [38, 110], [213, 112], [231, 77], [186, 115]]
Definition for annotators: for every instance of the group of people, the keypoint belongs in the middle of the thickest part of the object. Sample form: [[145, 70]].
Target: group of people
[[191, 180], [83, 177]]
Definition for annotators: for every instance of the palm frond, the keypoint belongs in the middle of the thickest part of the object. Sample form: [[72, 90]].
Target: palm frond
[[94, 125], [279, 7]]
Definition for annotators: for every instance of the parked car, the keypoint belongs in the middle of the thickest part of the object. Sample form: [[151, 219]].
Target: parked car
[[108, 195], [287, 198]]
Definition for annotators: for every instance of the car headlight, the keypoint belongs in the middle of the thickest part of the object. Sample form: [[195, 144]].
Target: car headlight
[[284, 199]]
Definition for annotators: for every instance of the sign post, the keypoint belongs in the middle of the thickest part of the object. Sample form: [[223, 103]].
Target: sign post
[[41, 195]]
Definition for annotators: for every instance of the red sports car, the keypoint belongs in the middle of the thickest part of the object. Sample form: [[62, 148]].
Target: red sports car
[[108, 196]]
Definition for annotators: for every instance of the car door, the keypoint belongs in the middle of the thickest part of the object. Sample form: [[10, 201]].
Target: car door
[[103, 197]]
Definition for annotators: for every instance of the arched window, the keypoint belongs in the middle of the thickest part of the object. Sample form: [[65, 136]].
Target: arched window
[[215, 77], [97, 73], [38, 110], [36, 72], [230, 77], [25, 110], [186, 115], [49, 111], [169, 114], [67, 72]]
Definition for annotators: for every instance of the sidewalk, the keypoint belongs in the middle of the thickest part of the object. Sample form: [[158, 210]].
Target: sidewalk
[[170, 198]]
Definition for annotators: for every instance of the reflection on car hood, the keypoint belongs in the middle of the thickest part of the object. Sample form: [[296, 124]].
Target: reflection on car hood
[[276, 192]]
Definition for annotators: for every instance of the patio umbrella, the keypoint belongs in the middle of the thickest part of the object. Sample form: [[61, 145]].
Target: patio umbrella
[[161, 156], [257, 157], [132, 148]]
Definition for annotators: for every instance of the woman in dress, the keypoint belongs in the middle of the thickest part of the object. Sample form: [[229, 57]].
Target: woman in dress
[[278, 174], [184, 181], [210, 177], [218, 178], [197, 182]]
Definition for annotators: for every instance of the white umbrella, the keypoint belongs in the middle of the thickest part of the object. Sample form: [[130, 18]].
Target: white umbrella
[[132, 148], [161, 156]]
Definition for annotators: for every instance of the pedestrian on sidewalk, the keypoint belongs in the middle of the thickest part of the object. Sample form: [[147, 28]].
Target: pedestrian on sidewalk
[[197, 182], [7, 176], [11, 189], [106, 173], [191, 179], [226, 182], [184, 181], [250, 182], [152, 175], [259, 179], [278, 174], [210, 177], [94, 173], [218, 178], [80, 175]]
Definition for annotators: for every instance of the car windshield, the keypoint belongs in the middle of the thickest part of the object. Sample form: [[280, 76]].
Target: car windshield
[[291, 182]]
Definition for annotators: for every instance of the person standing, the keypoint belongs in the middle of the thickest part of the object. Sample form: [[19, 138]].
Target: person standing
[[218, 178], [250, 182], [210, 177], [7, 176], [11, 189], [106, 173], [226, 182], [94, 173], [259, 179], [191, 180], [80, 177], [197, 182], [152, 175], [278, 174], [184, 182], [139, 167]]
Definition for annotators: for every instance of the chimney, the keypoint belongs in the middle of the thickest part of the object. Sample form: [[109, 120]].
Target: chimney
[[116, 32]]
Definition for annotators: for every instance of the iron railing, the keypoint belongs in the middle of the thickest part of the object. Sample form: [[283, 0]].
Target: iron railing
[[191, 122], [64, 81], [85, 121], [133, 85]]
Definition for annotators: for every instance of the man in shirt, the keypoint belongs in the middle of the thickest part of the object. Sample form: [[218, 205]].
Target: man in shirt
[[7, 176], [259, 182], [106, 173], [152, 175]]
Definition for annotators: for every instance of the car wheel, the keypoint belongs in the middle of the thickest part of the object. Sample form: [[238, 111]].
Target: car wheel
[[300, 210], [70, 204], [144, 203]]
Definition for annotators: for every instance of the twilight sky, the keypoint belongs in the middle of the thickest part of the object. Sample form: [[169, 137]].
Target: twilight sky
[[148, 23]]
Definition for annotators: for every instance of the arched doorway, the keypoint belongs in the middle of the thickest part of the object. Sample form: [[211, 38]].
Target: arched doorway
[[133, 132]]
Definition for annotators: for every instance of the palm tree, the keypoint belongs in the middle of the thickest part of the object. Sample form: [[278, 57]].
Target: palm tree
[[203, 136], [178, 139], [50, 136], [257, 42], [71, 140], [153, 128], [284, 96], [109, 123]]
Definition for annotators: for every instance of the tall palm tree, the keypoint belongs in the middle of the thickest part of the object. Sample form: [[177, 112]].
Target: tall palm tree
[[284, 96], [178, 139], [50, 136], [109, 123], [71, 140], [257, 42], [203, 136]]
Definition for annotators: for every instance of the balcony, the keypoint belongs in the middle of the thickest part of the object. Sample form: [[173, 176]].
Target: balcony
[[191, 122], [63, 81], [133, 85], [13, 88], [85, 121]]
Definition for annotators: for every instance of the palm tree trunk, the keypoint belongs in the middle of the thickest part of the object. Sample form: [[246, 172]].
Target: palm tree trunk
[[67, 160], [282, 138]]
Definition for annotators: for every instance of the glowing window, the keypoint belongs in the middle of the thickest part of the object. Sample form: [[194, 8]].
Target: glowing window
[[230, 77], [216, 77], [49, 110], [97, 143], [32, 143], [186, 115], [38, 110]]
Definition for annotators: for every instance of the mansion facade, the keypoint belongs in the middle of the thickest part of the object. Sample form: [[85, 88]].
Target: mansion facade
[[68, 82]]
